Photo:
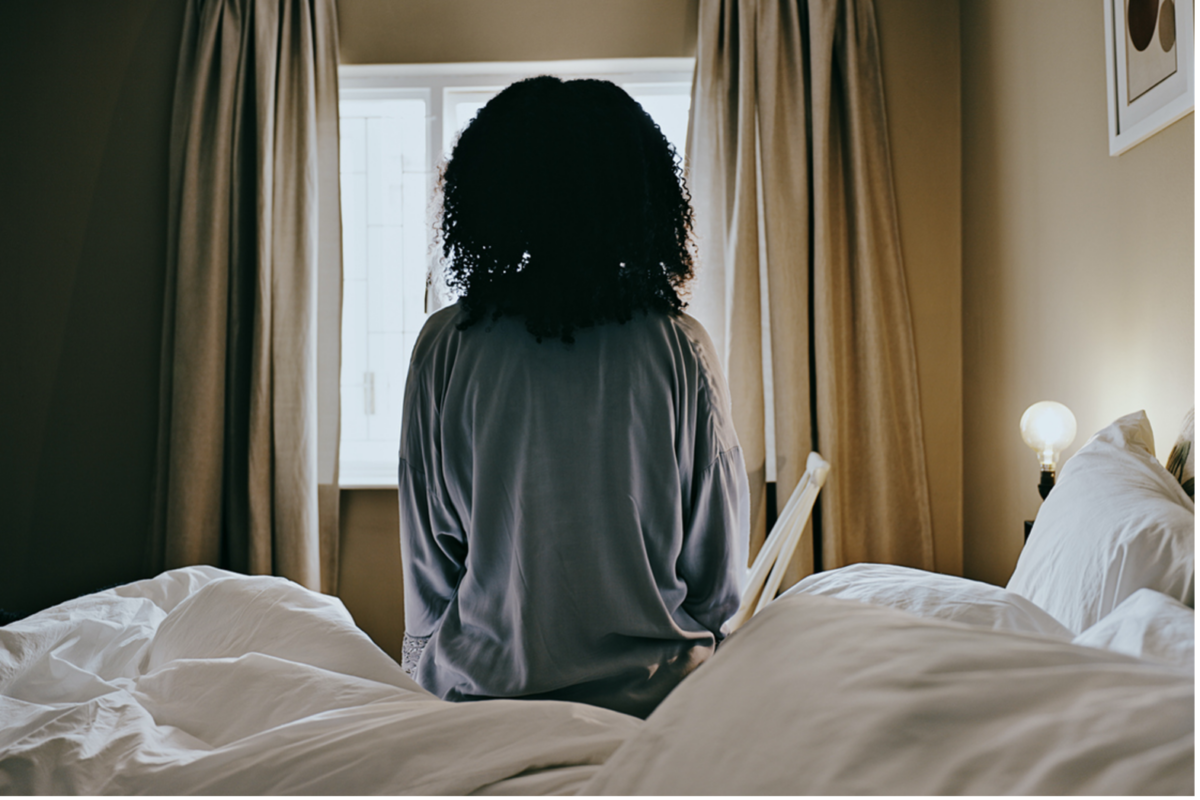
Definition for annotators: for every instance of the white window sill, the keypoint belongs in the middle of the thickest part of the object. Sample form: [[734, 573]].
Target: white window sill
[[368, 476]]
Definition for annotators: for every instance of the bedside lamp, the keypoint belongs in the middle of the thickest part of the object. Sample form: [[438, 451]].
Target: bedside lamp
[[1047, 427]]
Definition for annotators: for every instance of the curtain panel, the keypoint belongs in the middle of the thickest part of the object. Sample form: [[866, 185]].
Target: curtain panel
[[253, 208], [798, 247]]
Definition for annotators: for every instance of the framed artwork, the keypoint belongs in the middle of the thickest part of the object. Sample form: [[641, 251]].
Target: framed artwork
[[1150, 46]]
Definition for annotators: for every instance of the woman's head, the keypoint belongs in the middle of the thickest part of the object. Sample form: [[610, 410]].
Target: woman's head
[[563, 203]]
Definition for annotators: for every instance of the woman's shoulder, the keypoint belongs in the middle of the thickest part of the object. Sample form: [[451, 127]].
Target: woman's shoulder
[[692, 340], [696, 333], [441, 321], [698, 346], [437, 335], [683, 333]]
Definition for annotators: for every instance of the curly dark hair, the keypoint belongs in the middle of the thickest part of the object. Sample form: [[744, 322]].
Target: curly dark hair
[[563, 203]]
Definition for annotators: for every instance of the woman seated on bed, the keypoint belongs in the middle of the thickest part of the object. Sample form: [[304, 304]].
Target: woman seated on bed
[[573, 501]]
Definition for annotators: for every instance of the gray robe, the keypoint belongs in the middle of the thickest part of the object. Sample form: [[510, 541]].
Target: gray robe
[[574, 518]]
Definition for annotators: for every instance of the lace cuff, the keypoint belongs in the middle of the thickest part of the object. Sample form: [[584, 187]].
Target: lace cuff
[[410, 653]]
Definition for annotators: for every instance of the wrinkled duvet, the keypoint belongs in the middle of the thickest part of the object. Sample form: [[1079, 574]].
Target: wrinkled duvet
[[205, 682]]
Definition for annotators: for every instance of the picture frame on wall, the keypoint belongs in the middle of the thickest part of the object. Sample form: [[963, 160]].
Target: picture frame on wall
[[1149, 51]]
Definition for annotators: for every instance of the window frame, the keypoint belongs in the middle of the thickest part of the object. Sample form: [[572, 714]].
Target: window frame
[[439, 84], [379, 81]]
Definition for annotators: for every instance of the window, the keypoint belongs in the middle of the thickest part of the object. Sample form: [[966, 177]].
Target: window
[[398, 122]]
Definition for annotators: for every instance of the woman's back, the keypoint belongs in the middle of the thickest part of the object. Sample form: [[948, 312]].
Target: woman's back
[[573, 515], [573, 503]]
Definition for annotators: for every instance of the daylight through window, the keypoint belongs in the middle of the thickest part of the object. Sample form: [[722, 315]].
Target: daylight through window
[[397, 124]]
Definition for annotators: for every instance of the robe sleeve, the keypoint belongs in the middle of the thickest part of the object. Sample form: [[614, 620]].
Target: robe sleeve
[[712, 562], [716, 538], [433, 542]]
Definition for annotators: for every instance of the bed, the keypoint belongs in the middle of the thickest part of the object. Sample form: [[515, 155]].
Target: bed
[[865, 680]]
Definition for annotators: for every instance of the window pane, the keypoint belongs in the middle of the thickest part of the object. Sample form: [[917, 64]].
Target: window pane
[[385, 243], [386, 182]]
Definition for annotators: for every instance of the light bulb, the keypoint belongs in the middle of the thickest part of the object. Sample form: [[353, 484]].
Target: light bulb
[[1048, 428]]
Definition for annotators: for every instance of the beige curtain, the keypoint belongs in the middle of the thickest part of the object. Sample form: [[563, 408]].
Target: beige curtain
[[253, 211], [796, 224]]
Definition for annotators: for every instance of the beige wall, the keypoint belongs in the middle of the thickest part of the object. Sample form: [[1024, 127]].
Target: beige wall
[[1078, 268], [919, 40], [436, 31], [370, 579]]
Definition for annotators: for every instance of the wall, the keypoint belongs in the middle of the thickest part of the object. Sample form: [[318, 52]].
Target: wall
[[86, 93], [1078, 268], [369, 571], [436, 31]]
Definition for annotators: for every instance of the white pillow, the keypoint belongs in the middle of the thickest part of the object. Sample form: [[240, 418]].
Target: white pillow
[[1148, 625], [1116, 522], [935, 596]]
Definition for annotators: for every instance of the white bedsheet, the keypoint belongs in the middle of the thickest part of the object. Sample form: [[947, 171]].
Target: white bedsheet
[[817, 695], [202, 682]]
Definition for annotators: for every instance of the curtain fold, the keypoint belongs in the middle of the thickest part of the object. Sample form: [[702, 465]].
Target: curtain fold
[[250, 202], [790, 173]]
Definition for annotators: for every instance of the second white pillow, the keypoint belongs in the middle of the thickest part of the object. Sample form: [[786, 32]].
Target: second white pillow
[[1116, 522]]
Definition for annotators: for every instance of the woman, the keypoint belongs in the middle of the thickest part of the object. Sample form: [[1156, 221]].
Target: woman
[[574, 504]]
